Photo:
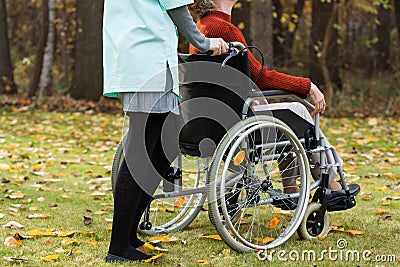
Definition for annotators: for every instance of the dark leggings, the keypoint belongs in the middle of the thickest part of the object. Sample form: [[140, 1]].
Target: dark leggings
[[149, 149]]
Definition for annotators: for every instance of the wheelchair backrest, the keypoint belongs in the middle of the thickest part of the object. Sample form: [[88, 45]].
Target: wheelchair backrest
[[212, 99]]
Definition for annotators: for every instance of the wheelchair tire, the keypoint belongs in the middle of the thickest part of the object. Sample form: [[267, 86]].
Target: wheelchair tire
[[168, 218], [260, 224], [308, 228]]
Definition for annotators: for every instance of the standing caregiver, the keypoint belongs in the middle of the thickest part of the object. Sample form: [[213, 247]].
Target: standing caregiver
[[140, 67]]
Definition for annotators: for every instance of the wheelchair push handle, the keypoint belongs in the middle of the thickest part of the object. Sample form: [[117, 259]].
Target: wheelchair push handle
[[231, 45]]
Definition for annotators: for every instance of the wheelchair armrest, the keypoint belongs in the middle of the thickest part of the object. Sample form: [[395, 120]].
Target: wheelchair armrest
[[277, 92]]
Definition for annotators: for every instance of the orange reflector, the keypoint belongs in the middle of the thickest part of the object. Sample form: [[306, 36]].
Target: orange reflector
[[239, 158]]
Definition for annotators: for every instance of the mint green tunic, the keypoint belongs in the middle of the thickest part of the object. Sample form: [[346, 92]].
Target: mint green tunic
[[139, 40]]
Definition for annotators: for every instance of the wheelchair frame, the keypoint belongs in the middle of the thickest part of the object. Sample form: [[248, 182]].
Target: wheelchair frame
[[309, 222]]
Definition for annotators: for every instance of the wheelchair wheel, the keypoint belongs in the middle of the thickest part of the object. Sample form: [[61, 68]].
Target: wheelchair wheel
[[245, 185], [309, 228], [172, 211]]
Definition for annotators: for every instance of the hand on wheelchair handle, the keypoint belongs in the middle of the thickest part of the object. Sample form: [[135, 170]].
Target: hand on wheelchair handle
[[217, 47], [318, 98]]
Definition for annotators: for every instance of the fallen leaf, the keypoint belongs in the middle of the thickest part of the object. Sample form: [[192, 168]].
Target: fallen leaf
[[355, 232], [264, 240], [4, 167], [15, 259], [163, 239], [202, 262], [338, 224], [11, 241], [274, 222], [215, 237], [381, 211], [179, 202], [383, 188], [87, 220], [69, 242], [13, 225], [38, 232], [50, 258], [385, 217], [38, 215], [154, 258]]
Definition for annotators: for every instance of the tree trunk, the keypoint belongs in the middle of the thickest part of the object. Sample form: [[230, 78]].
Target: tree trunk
[[295, 19], [278, 34], [7, 83], [382, 47], [261, 28], [48, 58], [34, 83], [241, 18], [88, 72], [397, 15], [65, 59], [321, 12], [322, 56]]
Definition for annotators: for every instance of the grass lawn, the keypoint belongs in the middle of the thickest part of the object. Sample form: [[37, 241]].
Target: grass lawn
[[55, 169]]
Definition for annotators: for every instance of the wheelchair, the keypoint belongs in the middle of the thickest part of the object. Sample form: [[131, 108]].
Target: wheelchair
[[232, 157]]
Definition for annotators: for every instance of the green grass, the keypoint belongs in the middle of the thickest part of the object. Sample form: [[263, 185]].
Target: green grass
[[73, 150]]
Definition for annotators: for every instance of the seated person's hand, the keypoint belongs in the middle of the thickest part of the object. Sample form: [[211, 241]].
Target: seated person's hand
[[318, 98], [218, 46]]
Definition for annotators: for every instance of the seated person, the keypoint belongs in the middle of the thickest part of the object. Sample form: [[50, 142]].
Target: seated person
[[215, 21]]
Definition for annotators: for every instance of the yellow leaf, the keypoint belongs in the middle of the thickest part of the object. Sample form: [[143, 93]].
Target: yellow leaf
[[63, 233], [148, 248], [355, 232], [341, 229], [12, 242], [169, 209], [274, 222], [35, 208], [380, 188], [239, 158], [264, 240], [202, 262], [50, 258], [152, 259], [66, 196], [366, 197], [179, 202], [370, 182], [215, 237], [338, 224], [387, 203], [381, 211], [69, 242]]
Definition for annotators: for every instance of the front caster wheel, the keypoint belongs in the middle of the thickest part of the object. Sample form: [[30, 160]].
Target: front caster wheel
[[145, 226], [309, 227]]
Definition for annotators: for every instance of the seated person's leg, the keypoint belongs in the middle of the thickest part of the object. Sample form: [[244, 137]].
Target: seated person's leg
[[302, 111], [289, 174]]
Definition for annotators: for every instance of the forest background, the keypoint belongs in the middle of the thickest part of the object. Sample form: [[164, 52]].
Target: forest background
[[51, 51]]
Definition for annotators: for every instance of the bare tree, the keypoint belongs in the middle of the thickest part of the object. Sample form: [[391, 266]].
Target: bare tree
[[7, 83], [34, 83], [321, 23], [88, 72], [261, 28], [397, 14], [48, 57]]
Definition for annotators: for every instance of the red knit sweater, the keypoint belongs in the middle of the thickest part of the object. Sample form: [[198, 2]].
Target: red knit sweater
[[218, 24]]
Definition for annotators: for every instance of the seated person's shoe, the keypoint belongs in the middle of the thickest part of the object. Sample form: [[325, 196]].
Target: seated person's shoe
[[340, 201], [286, 204]]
